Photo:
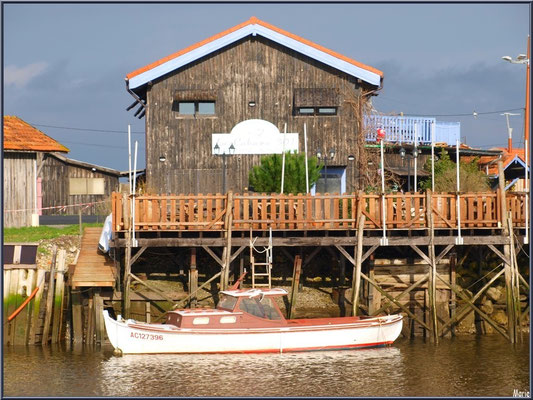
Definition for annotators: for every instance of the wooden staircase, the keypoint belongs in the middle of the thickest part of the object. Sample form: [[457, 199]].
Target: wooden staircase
[[93, 268]]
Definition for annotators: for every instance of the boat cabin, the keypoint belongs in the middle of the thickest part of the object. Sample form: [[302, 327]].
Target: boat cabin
[[241, 308]]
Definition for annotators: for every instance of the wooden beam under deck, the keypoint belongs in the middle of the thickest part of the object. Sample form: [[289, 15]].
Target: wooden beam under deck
[[312, 241]]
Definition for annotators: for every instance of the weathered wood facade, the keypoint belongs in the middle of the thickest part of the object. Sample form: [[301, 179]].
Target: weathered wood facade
[[251, 78], [19, 188], [56, 175]]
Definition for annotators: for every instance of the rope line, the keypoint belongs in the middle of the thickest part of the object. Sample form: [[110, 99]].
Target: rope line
[[87, 205]]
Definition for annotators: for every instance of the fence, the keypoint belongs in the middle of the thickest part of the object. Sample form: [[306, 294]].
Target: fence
[[308, 212], [411, 129]]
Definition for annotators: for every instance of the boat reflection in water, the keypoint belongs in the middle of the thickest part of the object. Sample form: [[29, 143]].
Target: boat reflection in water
[[249, 321]]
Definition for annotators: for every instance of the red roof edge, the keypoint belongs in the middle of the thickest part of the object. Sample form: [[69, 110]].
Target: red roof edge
[[252, 20]]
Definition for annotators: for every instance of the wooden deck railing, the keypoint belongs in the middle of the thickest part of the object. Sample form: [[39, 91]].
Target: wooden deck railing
[[308, 212]]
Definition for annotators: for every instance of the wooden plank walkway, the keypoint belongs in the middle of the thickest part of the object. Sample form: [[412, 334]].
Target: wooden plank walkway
[[93, 269]]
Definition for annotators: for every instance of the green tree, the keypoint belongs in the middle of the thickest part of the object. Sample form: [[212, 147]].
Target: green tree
[[472, 179], [267, 176]]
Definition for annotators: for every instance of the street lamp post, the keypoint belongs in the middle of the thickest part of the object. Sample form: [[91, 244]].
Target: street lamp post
[[326, 157], [410, 157], [524, 59], [231, 151]]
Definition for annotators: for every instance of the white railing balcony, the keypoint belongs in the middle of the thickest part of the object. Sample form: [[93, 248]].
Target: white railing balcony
[[412, 129]]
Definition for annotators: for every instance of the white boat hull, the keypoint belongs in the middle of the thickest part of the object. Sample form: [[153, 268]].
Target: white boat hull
[[130, 337]]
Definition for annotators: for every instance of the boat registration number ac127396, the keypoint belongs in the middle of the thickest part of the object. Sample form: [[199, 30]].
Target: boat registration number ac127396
[[147, 336]]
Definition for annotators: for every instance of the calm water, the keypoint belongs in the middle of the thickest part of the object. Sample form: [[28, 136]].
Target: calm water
[[464, 366]]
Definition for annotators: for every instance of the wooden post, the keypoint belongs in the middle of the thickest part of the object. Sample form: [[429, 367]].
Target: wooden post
[[515, 281], [89, 338], [432, 284], [507, 253], [228, 221], [80, 222], [453, 302], [59, 296], [294, 286], [148, 312], [36, 307], [374, 294], [193, 279], [49, 299], [356, 279], [127, 278], [77, 321], [99, 318]]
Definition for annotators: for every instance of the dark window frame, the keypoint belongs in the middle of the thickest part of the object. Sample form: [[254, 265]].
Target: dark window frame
[[196, 114], [317, 111]]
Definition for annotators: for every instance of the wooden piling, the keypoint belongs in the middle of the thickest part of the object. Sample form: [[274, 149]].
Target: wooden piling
[[89, 339], [49, 299], [77, 320], [297, 269], [356, 277], [148, 312], [226, 257], [57, 317], [507, 254], [193, 279], [36, 307], [432, 284], [99, 318]]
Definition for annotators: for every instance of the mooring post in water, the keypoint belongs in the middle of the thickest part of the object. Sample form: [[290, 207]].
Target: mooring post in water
[[507, 253], [89, 338], [77, 320], [49, 299], [58, 296], [99, 317], [36, 306]]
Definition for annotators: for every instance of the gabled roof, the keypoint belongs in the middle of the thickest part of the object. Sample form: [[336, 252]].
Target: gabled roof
[[253, 27], [19, 135], [515, 155]]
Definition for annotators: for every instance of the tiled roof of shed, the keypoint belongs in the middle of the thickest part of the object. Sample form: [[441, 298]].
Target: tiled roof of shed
[[507, 158], [253, 26], [19, 135]]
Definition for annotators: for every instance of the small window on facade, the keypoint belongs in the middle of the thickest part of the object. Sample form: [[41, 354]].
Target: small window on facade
[[316, 111], [200, 321], [327, 110], [78, 186], [186, 108], [194, 108], [206, 107]]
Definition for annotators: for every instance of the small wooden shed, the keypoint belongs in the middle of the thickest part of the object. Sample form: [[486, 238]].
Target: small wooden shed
[[40, 180]]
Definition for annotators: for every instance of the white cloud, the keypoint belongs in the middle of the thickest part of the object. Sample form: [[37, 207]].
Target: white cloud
[[21, 76]]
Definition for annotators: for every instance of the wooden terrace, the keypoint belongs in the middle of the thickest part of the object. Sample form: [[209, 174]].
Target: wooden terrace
[[430, 224], [477, 212]]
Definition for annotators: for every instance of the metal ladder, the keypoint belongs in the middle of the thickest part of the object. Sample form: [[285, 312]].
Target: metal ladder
[[261, 270]]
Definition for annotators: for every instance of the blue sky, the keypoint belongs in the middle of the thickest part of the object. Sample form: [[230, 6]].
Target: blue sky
[[64, 64]]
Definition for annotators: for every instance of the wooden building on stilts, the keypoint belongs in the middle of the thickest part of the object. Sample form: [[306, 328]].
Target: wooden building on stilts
[[215, 107]]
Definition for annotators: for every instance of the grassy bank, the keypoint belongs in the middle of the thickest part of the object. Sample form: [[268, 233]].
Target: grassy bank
[[34, 234]]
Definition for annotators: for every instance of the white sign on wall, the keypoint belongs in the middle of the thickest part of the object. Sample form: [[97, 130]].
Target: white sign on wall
[[255, 136]]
